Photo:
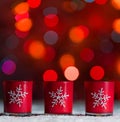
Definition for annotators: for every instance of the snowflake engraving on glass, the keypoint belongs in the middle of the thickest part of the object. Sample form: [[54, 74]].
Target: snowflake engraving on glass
[[16, 97], [58, 98], [100, 99]]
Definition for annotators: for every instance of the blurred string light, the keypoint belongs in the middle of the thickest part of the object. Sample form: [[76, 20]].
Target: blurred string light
[[12, 42], [106, 46], [50, 75], [8, 66], [116, 25], [78, 33], [97, 72], [71, 73], [51, 20], [116, 4], [34, 3], [66, 60], [115, 37], [87, 54], [51, 37], [50, 10]]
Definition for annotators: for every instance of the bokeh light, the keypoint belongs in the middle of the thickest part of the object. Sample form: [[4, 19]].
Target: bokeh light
[[24, 25], [116, 4], [71, 73], [50, 54], [51, 37], [87, 54], [51, 20], [21, 34], [34, 3], [12, 42], [21, 16], [50, 75], [78, 34], [8, 67], [97, 72], [50, 10], [101, 2], [36, 49], [115, 37], [21, 8], [116, 25], [66, 60]]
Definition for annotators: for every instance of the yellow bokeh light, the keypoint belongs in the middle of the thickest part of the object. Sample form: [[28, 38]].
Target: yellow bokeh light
[[21, 8], [66, 60], [116, 4], [116, 25], [36, 49], [24, 25]]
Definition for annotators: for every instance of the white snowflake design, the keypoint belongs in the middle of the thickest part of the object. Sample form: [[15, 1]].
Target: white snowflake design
[[16, 97], [58, 97], [100, 99]]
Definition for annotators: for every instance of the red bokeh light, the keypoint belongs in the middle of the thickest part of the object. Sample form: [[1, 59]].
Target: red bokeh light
[[50, 75], [51, 20], [34, 3], [101, 2], [97, 72]]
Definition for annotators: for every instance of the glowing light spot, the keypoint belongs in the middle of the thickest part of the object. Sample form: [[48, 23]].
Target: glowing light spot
[[50, 54], [21, 34], [21, 8], [101, 2], [78, 34], [24, 25], [12, 42], [89, 1], [87, 54], [116, 4], [66, 60], [116, 25], [21, 16], [97, 72], [106, 46], [50, 75], [36, 49], [71, 73], [50, 37], [51, 20], [34, 3], [115, 37], [50, 10], [8, 67]]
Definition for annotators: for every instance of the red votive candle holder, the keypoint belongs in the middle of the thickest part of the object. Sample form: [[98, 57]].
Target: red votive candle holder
[[99, 97], [17, 97], [58, 97]]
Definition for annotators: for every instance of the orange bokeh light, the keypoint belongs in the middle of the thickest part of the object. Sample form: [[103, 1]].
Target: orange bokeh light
[[78, 34], [116, 25], [21, 8], [36, 49], [66, 60], [116, 4], [24, 25], [97, 72]]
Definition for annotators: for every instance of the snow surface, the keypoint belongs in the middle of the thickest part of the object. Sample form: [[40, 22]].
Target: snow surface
[[78, 115]]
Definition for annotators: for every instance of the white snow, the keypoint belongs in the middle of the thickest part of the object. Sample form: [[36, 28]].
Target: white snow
[[78, 115]]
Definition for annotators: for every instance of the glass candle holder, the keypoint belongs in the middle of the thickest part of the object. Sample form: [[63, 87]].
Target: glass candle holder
[[99, 97], [17, 97], [58, 97]]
